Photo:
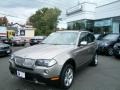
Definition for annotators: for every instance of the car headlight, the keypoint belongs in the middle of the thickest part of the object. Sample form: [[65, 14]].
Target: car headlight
[[115, 46], [106, 44], [12, 57], [45, 62]]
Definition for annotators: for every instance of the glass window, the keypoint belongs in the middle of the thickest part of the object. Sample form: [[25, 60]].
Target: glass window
[[62, 38], [90, 38], [83, 37], [111, 37]]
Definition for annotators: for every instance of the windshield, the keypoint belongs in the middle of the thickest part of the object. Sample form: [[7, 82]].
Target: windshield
[[62, 38], [111, 37]]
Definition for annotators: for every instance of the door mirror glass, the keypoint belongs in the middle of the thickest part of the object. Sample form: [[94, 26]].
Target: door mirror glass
[[83, 43]]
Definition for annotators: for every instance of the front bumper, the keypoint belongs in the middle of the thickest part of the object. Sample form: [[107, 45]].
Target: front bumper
[[30, 76], [39, 73], [5, 52], [102, 49]]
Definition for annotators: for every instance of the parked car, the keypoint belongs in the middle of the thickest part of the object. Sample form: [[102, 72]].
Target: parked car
[[56, 59], [7, 41], [117, 50], [107, 43], [18, 41], [5, 49], [99, 36], [37, 40]]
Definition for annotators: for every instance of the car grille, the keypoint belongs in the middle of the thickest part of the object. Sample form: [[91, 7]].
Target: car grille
[[24, 62]]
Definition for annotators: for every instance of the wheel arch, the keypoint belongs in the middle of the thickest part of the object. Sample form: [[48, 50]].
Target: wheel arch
[[72, 62]]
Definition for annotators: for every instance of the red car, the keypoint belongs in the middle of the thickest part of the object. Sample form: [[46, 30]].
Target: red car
[[18, 41]]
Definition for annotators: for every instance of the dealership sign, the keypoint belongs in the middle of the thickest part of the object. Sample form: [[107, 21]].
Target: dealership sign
[[74, 9], [3, 31]]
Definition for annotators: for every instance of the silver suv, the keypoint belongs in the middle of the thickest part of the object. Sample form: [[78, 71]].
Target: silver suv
[[56, 59]]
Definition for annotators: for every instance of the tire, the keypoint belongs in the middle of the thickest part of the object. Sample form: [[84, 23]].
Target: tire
[[94, 60], [67, 76], [110, 51], [116, 56]]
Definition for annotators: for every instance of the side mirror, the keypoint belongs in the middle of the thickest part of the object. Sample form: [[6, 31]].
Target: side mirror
[[83, 43]]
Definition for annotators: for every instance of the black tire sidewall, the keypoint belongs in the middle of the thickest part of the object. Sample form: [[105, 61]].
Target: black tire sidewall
[[93, 63]]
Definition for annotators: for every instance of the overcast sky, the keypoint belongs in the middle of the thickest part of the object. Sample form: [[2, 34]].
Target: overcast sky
[[20, 10]]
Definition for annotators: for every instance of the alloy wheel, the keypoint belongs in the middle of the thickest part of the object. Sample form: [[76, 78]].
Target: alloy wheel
[[68, 77]]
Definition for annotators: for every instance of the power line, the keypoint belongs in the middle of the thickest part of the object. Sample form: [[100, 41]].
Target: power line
[[54, 3], [45, 2], [11, 15]]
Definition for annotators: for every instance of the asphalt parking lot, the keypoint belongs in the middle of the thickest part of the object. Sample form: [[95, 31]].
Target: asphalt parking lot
[[106, 76]]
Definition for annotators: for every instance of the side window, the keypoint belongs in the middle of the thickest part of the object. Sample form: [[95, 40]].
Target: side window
[[90, 38], [83, 37]]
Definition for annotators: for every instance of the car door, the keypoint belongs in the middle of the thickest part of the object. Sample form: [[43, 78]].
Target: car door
[[81, 53], [91, 46]]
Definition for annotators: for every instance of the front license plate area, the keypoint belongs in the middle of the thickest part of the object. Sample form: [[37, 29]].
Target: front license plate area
[[21, 74]]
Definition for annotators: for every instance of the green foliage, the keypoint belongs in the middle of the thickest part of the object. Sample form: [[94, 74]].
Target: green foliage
[[3, 21], [45, 20]]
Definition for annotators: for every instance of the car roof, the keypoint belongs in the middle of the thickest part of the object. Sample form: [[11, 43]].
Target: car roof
[[73, 31]]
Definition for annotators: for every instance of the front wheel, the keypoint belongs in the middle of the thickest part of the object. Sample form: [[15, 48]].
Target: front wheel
[[67, 76], [110, 51]]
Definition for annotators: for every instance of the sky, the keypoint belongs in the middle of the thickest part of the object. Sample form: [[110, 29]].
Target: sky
[[20, 10]]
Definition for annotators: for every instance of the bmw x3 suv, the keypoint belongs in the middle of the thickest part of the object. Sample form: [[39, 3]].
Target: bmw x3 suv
[[56, 59]]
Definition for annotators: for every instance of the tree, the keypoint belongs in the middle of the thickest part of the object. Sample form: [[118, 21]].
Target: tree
[[45, 20], [3, 21]]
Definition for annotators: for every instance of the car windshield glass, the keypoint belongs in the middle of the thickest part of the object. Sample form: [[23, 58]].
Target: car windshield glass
[[111, 37], [62, 38]]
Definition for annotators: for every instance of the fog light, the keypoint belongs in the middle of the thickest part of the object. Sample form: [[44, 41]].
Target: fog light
[[55, 78]]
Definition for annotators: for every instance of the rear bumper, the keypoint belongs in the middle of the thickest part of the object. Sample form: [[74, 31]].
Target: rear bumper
[[33, 43], [18, 43]]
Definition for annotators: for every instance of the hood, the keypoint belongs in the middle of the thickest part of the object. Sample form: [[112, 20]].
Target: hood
[[117, 44], [43, 51], [4, 45], [102, 42]]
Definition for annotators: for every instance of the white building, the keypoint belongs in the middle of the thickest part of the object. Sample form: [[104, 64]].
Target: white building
[[87, 15], [25, 31]]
